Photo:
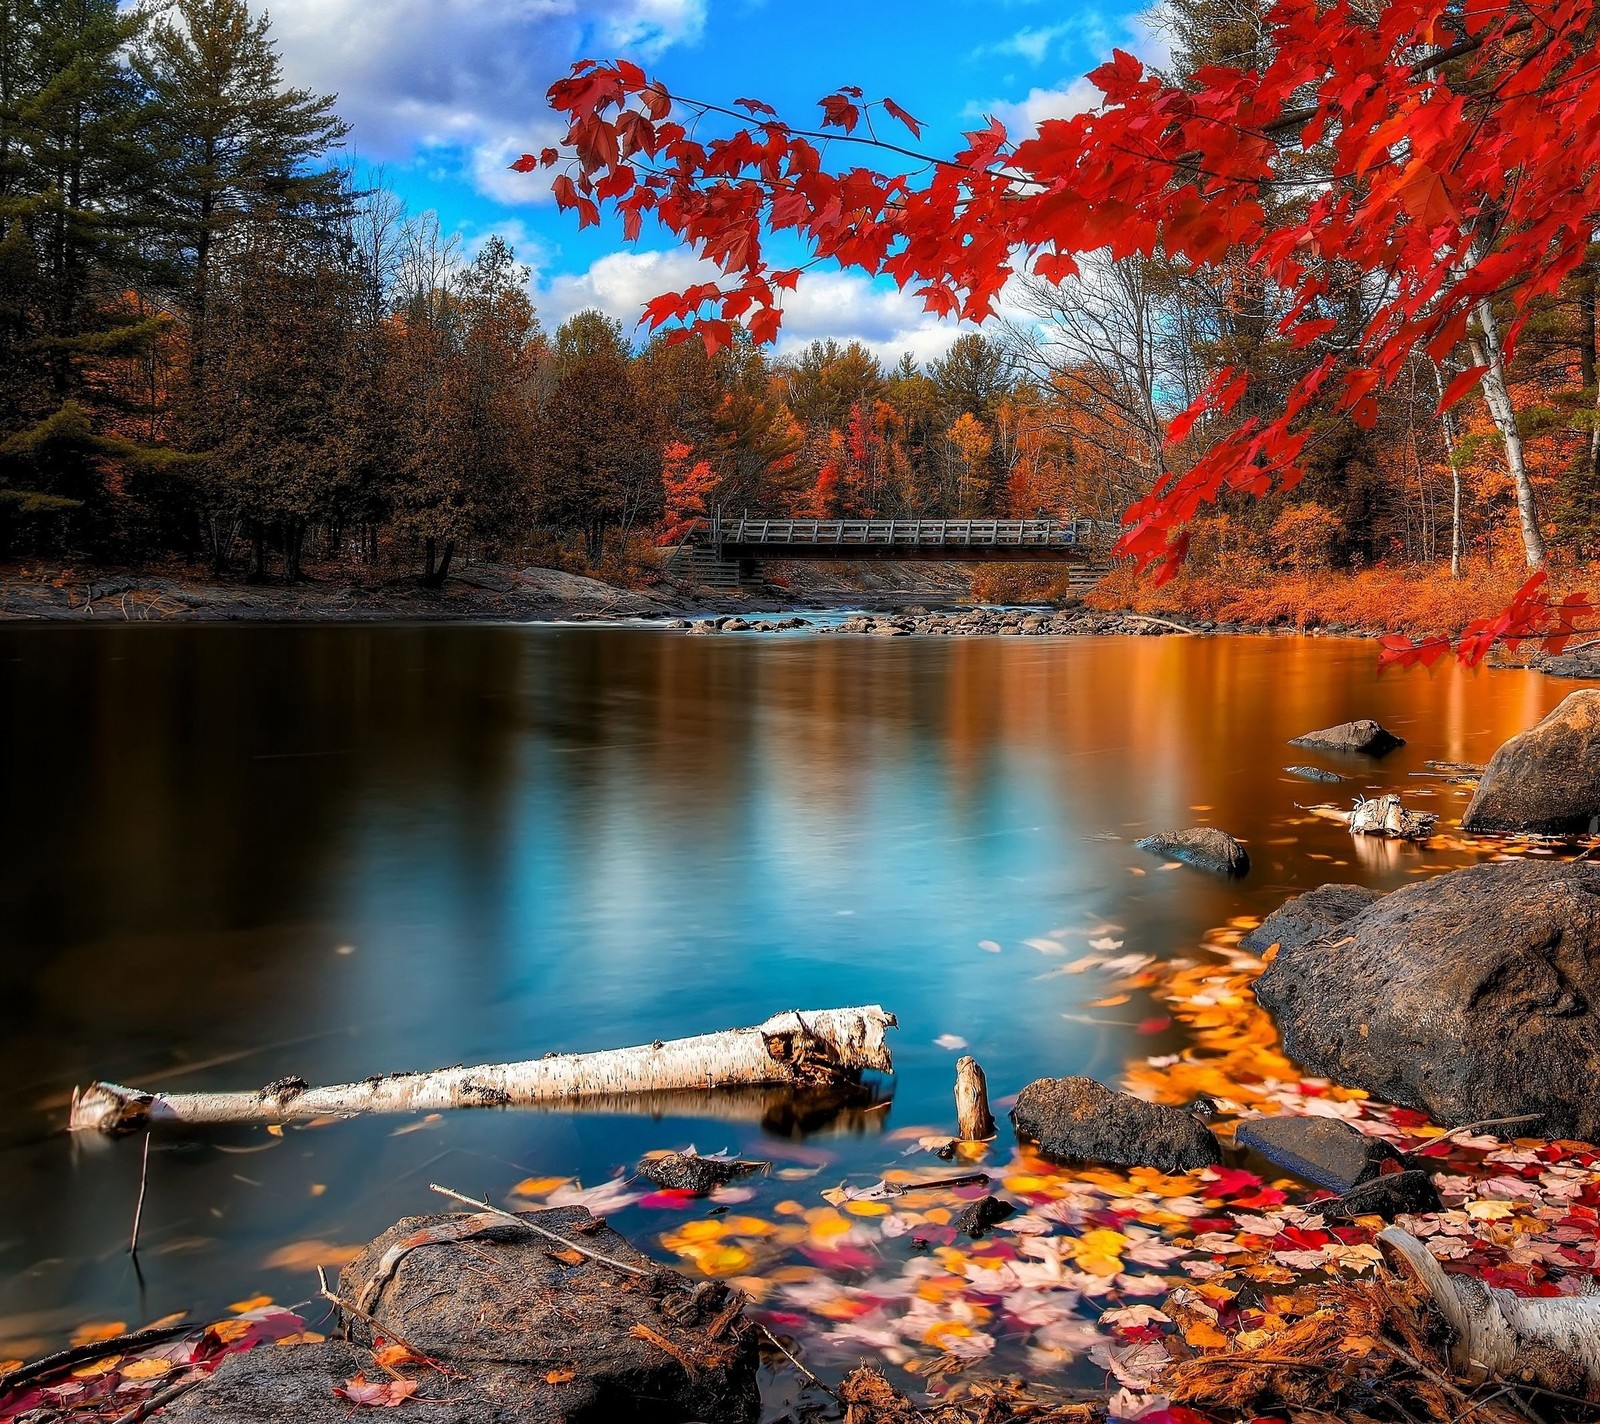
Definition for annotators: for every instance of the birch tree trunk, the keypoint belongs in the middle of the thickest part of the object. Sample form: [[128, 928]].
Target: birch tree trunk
[[1488, 352], [803, 1047], [1447, 428], [1494, 1329]]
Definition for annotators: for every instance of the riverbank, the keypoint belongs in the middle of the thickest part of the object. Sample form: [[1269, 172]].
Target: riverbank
[[884, 601]]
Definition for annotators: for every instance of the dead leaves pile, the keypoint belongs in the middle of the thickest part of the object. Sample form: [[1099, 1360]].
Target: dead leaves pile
[[110, 1373]]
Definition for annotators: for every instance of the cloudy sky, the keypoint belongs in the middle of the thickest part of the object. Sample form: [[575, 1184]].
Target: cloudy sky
[[445, 93]]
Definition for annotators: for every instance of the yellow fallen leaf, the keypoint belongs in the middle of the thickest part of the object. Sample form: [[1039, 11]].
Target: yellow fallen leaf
[[1490, 1210], [229, 1332], [255, 1302], [303, 1337], [96, 1368], [146, 1369], [6, 1366]]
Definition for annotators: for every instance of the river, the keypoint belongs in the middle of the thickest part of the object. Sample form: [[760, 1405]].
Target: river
[[232, 854]]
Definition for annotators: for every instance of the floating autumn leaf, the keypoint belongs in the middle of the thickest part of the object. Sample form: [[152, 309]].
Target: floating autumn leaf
[[95, 1333], [255, 1302], [147, 1369], [308, 1255], [376, 1394]]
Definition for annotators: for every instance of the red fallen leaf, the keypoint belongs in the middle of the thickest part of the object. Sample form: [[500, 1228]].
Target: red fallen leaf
[[1230, 1180], [376, 1394], [1155, 1025]]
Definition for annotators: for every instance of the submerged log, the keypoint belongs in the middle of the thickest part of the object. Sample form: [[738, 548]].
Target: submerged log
[[802, 1047]]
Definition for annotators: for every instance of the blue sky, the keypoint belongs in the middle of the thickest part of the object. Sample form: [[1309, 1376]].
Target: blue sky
[[445, 93]]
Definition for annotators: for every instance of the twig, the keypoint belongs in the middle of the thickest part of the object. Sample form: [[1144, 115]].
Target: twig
[[138, 1209], [1486, 1122], [388, 1332], [783, 1350], [159, 1400], [512, 1219], [95, 1350]]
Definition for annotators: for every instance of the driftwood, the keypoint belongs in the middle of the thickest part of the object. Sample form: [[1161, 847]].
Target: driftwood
[[802, 1048], [974, 1121], [1385, 816], [1495, 1332]]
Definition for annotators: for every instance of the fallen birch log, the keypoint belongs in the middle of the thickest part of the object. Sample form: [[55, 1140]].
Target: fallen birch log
[[1496, 1332], [805, 1048]]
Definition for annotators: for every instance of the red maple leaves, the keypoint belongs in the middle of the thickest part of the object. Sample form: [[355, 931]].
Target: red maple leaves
[[1457, 152]]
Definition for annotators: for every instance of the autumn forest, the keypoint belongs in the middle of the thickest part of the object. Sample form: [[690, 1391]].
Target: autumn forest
[[226, 344]]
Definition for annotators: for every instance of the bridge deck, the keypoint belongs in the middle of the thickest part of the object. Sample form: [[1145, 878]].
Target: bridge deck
[[956, 540]]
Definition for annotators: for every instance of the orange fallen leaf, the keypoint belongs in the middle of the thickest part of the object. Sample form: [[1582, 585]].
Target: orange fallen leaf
[[148, 1369], [93, 1334], [376, 1394], [255, 1302], [95, 1368], [559, 1377], [392, 1356], [308, 1255]]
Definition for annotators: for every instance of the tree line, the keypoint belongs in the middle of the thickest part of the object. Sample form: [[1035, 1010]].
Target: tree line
[[219, 341]]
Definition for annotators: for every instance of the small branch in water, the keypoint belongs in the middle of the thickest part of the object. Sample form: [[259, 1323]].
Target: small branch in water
[[158, 1401], [810, 1378], [95, 1350], [138, 1208]]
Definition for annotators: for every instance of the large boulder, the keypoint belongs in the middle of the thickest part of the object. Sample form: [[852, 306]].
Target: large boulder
[[1080, 1120], [1469, 996], [1364, 735], [550, 1333], [1308, 916], [1204, 847], [1547, 779]]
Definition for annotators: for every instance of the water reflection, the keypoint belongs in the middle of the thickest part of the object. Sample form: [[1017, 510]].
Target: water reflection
[[230, 854]]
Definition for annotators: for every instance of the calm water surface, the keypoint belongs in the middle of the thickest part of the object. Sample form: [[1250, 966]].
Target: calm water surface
[[232, 854]]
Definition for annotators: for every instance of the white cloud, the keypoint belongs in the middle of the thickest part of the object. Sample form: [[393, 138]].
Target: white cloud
[[464, 80], [1022, 116], [840, 305], [1138, 36], [1030, 43]]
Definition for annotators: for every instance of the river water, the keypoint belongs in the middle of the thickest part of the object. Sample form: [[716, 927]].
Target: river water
[[232, 854]]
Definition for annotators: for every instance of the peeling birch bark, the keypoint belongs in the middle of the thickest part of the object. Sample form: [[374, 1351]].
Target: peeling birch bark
[[805, 1047], [1496, 1332]]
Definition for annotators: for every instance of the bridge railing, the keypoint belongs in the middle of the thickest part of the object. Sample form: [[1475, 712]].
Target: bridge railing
[[946, 533]]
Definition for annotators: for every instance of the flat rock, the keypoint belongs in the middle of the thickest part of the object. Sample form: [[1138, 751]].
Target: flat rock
[[1360, 736], [295, 1385], [1305, 917], [1080, 1120], [1545, 780], [1391, 1195], [508, 1309], [1324, 1151], [1314, 773], [1204, 847], [1469, 996]]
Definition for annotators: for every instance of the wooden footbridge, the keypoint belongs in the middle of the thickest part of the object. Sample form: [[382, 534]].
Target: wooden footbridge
[[727, 551]]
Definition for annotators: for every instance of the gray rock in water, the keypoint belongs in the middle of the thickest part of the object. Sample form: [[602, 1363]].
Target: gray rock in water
[[1305, 917], [1313, 773], [1473, 995], [689, 1172], [1545, 780], [976, 1219], [1363, 736], [1391, 1195], [1204, 847], [1080, 1120], [1320, 1150]]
